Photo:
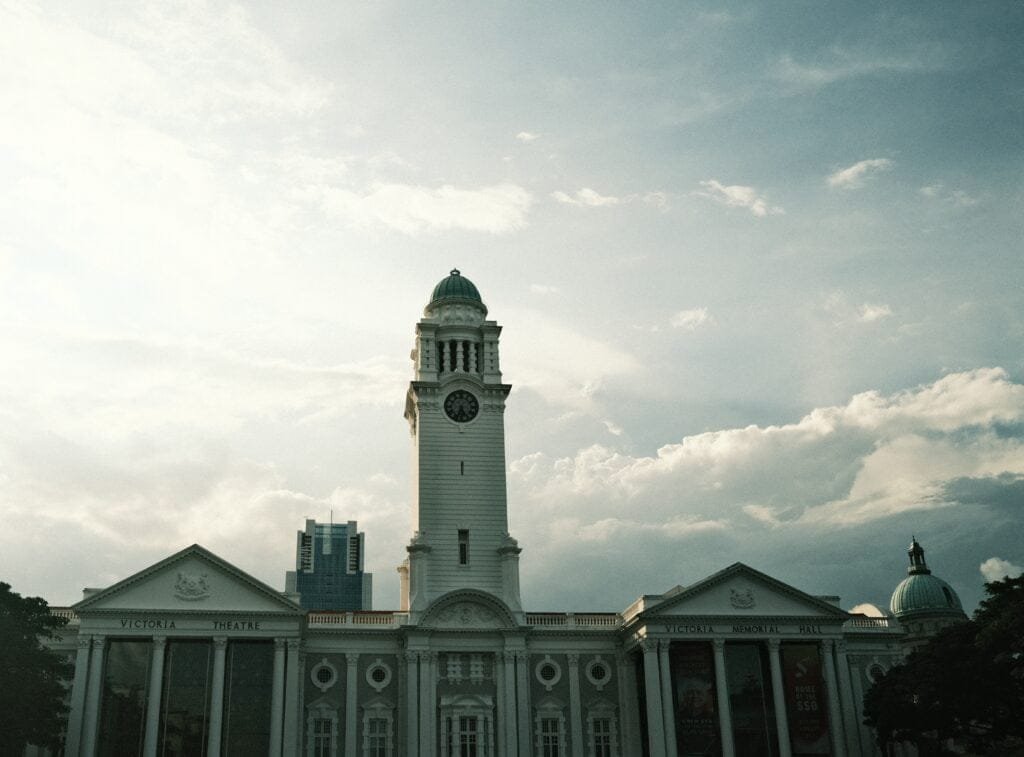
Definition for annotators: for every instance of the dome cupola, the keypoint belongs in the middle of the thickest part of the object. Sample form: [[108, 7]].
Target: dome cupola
[[921, 592], [455, 289]]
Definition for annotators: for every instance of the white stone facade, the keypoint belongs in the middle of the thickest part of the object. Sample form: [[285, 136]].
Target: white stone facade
[[735, 664]]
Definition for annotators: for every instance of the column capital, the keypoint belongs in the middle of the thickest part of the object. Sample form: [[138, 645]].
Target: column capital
[[827, 644], [410, 656], [278, 643], [293, 644], [219, 642], [718, 644], [352, 659], [573, 659], [509, 655], [98, 641], [774, 644], [648, 645], [521, 655], [841, 647], [84, 642]]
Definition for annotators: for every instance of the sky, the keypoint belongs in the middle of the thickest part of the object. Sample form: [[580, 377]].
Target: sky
[[758, 265]]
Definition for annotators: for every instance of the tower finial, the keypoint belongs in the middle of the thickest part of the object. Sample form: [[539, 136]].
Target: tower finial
[[916, 554]]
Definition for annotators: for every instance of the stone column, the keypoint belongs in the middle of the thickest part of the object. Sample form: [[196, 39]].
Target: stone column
[[724, 710], [293, 698], [91, 724], [652, 690], [412, 711], [277, 700], [779, 695], [76, 713], [575, 708], [851, 720], [220, 648], [509, 710], [835, 716], [523, 703], [156, 686], [668, 711], [352, 669], [428, 709]]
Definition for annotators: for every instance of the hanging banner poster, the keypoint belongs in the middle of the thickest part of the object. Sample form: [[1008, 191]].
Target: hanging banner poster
[[806, 700], [693, 677]]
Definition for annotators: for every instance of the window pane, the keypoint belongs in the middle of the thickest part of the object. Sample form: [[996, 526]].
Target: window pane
[[184, 713], [750, 699], [123, 708], [248, 685]]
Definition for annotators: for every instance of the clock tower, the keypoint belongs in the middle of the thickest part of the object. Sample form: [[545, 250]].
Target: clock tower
[[456, 408]]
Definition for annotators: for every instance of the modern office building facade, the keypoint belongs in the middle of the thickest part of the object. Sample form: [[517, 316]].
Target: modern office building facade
[[194, 657], [329, 571]]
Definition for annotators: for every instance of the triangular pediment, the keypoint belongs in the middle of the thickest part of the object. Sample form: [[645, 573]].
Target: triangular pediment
[[741, 591], [193, 580]]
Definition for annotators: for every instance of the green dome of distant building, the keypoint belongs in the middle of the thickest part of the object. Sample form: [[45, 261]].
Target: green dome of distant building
[[455, 287], [921, 592]]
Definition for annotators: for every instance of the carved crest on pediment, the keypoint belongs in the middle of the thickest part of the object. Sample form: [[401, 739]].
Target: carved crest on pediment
[[742, 599], [191, 586], [467, 615]]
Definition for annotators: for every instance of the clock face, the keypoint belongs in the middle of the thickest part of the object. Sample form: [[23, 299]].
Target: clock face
[[461, 406]]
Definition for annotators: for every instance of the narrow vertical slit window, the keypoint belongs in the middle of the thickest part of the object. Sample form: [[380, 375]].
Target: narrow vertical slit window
[[462, 467], [463, 546]]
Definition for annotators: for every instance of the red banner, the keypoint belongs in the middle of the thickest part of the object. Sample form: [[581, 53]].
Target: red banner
[[806, 701]]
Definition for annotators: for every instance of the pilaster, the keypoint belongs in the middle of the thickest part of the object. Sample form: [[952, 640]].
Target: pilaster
[[779, 695], [652, 690]]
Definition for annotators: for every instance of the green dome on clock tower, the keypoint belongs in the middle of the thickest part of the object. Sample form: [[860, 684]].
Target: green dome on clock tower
[[455, 287]]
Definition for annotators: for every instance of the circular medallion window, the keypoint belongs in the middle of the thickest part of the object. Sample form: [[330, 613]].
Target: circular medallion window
[[548, 672], [598, 672], [378, 675], [324, 675]]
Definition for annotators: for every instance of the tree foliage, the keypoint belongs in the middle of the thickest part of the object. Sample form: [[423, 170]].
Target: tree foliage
[[965, 684], [32, 677]]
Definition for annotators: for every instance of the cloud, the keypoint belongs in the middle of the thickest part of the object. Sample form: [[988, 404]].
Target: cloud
[[585, 197], [526, 136], [996, 569], [414, 209], [870, 312], [738, 196], [853, 177], [853, 475], [544, 289], [837, 63], [955, 197], [690, 320]]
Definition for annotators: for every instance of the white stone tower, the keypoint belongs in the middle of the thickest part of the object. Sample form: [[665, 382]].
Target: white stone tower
[[456, 408]]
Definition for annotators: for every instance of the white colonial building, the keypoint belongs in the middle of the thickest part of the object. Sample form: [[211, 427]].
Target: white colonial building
[[193, 657]]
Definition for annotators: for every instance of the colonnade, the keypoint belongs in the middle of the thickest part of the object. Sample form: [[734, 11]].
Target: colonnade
[[87, 693], [845, 735]]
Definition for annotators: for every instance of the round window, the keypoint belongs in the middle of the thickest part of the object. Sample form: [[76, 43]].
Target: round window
[[548, 672], [598, 672], [324, 675], [378, 675]]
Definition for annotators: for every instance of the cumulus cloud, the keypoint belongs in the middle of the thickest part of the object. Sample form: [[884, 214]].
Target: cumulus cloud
[[872, 457], [760, 492], [738, 196], [996, 569], [414, 209], [585, 197], [690, 320], [853, 177], [526, 136]]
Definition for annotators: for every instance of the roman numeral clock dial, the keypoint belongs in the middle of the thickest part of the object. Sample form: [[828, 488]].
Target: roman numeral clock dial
[[461, 406]]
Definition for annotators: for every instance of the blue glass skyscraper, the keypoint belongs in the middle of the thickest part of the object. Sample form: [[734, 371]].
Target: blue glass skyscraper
[[328, 571]]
